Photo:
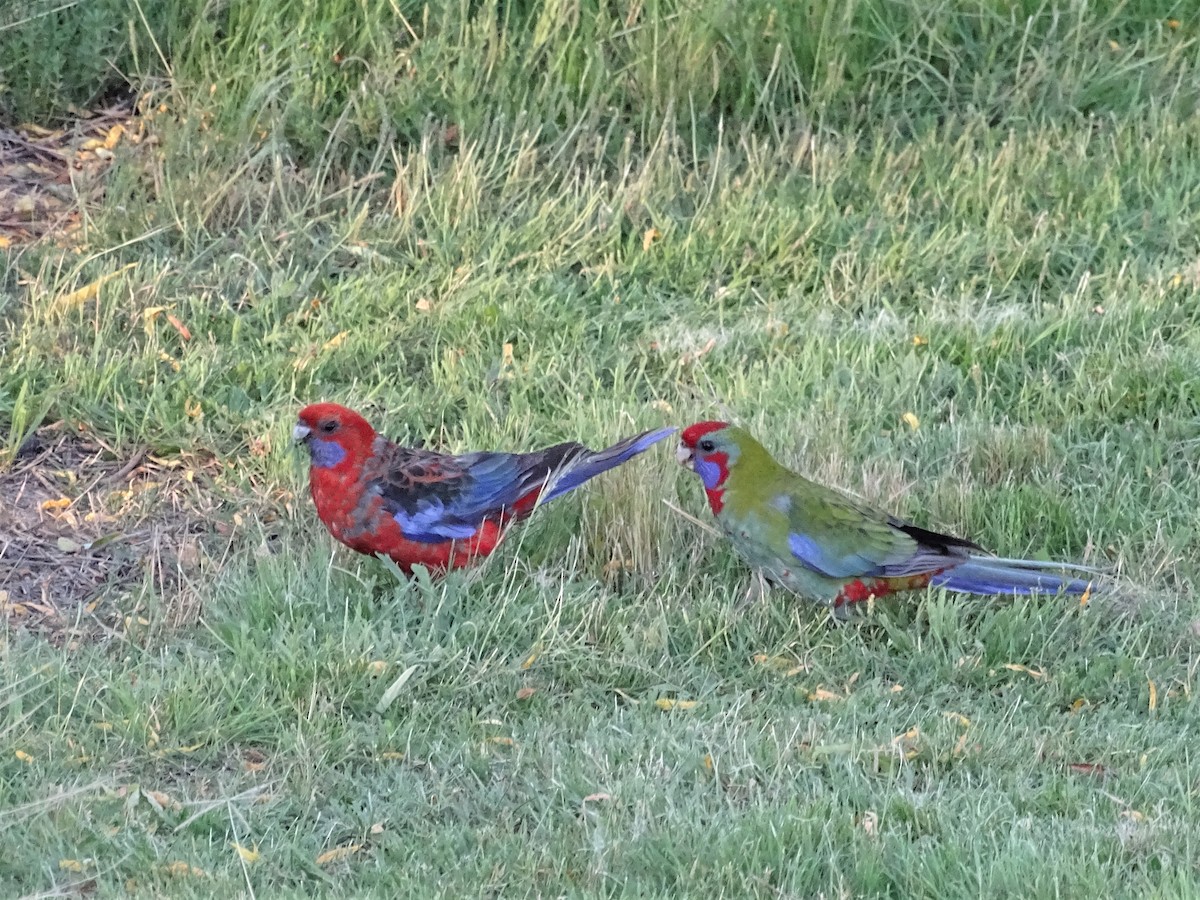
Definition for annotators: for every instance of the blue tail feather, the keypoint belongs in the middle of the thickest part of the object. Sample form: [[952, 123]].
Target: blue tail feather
[[603, 460], [992, 576]]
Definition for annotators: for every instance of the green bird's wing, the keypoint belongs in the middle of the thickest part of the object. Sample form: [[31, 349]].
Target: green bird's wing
[[843, 538]]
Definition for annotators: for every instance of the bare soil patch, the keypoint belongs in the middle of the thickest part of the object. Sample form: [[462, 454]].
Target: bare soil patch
[[90, 537], [50, 176]]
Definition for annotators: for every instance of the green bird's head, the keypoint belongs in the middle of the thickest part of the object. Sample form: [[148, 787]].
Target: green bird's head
[[715, 450], [709, 449]]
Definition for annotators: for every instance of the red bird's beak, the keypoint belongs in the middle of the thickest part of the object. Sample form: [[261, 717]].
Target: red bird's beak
[[300, 433], [685, 457]]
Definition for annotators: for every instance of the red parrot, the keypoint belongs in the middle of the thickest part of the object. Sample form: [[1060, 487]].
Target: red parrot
[[433, 509]]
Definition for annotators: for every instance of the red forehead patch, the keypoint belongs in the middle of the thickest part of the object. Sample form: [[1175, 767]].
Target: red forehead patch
[[316, 411], [693, 433]]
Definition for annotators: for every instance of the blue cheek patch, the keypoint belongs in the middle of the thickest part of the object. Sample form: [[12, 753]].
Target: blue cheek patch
[[709, 472], [326, 454]]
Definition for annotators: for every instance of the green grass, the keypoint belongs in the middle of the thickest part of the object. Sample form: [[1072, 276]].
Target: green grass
[[981, 215]]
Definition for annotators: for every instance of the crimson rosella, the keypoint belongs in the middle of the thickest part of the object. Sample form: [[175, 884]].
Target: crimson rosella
[[432, 509], [833, 549]]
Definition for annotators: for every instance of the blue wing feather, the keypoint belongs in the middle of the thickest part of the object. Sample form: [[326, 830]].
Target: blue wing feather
[[811, 554], [435, 498], [431, 523]]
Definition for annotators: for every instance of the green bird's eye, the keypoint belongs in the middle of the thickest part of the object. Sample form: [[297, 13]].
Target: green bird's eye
[[707, 446]]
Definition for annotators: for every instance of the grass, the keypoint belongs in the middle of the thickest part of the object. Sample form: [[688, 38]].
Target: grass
[[983, 217]]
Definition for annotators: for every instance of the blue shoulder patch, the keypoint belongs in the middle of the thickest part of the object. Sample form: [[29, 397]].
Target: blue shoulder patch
[[812, 555], [426, 525]]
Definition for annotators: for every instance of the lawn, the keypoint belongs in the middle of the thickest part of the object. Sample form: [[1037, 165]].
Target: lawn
[[944, 256]]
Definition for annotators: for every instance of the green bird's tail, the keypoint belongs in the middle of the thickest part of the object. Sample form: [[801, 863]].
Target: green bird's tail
[[993, 576]]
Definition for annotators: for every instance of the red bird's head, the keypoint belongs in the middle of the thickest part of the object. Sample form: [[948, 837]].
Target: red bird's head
[[333, 434], [707, 448]]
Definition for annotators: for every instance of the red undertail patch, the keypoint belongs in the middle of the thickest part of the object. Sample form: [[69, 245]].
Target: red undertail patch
[[860, 590]]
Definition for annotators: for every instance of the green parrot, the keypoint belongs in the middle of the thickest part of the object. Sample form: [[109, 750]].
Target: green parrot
[[836, 550]]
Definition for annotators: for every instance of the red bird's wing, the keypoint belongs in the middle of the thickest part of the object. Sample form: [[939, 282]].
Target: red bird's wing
[[435, 497]]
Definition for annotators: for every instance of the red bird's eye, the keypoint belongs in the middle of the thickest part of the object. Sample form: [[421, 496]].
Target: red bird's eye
[[707, 446], [329, 426]]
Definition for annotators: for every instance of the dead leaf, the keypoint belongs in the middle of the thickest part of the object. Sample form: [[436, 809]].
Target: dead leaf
[[253, 760], [911, 420], [782, 664], [651, 235], [1032, 673], [668, 703], [162, 800], [1088, 769], [179, 868], [337, 854], [88, 292], [179, 326], [617, 567], [1153, 695], [906, 743], [23, 756], [423, 305], [336, 341], [690, 356], [60, 503], [597, 797], [248, 855], [526, 692], [821, 694]]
